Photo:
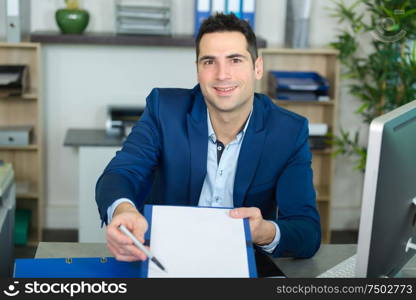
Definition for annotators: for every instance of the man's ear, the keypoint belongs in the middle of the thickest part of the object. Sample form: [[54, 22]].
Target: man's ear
[[258, 68]]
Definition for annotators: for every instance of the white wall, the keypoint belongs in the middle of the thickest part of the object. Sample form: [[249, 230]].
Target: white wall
[[81, 80], [102, 15]]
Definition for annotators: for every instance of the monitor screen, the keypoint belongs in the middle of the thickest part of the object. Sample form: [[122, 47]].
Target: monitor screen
[[388, 213]]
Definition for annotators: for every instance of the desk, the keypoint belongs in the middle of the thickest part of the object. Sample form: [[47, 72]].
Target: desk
[[325, 258], [96, 150]]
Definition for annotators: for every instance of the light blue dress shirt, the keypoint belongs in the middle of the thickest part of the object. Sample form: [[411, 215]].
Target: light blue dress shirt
[[217, 190]]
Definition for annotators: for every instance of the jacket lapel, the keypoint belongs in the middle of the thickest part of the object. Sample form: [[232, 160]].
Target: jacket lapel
[[250, 153], [198, 144]]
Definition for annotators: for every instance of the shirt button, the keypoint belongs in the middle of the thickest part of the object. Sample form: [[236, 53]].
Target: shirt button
[[219, 148], [217, 199], [220, 172]]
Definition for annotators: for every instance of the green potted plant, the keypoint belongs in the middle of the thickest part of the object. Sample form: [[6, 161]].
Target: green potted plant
[[382, 75], [72, 19]]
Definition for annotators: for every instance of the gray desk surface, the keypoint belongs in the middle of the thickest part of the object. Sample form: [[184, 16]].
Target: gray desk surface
[[327, 256], [90, 137]]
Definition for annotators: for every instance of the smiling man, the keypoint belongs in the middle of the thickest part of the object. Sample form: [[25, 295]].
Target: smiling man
[[218, 145]]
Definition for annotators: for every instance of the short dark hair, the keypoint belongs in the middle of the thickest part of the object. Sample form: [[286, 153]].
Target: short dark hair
[[226, 23]]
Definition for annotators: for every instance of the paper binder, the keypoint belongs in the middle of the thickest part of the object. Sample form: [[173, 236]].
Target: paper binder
[[218, 6], [248, 11], [234, 6], [202, 12], [106, 267], [18, 20]]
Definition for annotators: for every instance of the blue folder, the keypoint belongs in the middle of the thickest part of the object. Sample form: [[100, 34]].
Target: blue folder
[[96, 267], [106, 267]]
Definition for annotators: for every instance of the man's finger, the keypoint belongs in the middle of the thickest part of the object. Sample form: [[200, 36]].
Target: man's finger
[[114, 234], [139, 234], [129, 252], [127, 248], [134, 251], [114, 248], [244, 212], [117, 249], [128, 258]]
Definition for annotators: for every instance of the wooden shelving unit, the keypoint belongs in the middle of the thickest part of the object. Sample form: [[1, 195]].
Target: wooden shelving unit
[[325, 62], [26, 110]]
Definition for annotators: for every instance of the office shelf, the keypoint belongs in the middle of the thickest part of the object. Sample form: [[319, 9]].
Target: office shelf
[[322, 193], [325, 62], [34, 239], [327, 151], [26, 109], [26, 190], [30, 95], [21, 148]]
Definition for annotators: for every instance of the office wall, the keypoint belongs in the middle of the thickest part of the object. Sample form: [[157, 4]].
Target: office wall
[[79, 81]]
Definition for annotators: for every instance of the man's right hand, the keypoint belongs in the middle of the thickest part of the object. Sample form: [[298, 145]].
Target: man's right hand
[[120, 245]]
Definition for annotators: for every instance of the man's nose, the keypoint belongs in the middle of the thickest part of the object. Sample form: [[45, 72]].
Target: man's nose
[[223, 71]]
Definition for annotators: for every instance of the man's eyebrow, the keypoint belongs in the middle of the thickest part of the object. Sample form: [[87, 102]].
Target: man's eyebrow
[[236, 55], [206, 57]]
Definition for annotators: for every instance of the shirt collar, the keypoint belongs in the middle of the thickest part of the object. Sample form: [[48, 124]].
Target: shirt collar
[[213, 138]]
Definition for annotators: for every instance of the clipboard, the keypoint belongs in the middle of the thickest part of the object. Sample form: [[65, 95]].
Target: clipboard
[[107, 267], [248, 252]]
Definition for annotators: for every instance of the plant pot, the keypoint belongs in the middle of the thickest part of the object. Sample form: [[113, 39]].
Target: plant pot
[[72, 21]]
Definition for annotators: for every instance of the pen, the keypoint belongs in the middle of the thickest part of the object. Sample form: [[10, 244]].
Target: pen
[[141, 247]]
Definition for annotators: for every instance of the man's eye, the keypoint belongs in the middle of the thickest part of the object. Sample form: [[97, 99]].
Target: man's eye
[[208, 62], [236, 60]]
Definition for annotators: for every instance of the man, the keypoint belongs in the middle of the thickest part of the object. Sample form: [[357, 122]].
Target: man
[[218, 145]]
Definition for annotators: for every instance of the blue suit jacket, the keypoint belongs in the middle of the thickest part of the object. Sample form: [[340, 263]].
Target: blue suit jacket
[[164, 161]]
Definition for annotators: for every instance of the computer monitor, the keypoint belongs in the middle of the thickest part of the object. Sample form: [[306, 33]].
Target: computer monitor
[[388, 213]]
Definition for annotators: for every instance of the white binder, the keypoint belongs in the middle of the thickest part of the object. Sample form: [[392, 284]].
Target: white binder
[[234, 6], [202, 12], [18, 20], [218, 6], [249, 9]]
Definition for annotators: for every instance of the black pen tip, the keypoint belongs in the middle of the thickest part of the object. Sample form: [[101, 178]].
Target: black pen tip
[[158, 264]]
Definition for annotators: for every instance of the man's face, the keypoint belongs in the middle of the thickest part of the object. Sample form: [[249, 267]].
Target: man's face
[[225, 71]]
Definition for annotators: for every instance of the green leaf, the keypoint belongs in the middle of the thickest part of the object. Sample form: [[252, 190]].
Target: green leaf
[[409, 12], [382, 76]]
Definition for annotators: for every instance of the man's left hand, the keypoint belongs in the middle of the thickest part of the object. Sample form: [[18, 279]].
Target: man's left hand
[[262, 231]]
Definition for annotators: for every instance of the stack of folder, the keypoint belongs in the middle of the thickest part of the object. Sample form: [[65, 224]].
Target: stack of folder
[[243, 9], [298, 86], [143, 17]]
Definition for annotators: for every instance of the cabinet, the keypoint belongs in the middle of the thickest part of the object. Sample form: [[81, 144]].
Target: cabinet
[[325, 62], [26, 110]]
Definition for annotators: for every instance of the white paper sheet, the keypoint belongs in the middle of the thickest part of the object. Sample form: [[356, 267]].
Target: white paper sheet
[[8, 78], [197, 242]]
